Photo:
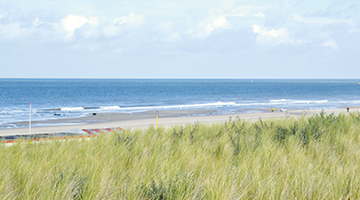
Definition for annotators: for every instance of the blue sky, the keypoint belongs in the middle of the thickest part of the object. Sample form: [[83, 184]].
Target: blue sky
[[180, 39]]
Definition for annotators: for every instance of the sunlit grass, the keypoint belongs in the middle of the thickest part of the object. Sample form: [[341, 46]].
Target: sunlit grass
[[314, 157]]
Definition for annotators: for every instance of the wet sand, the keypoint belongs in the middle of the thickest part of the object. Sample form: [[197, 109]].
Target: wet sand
[[167, 118]]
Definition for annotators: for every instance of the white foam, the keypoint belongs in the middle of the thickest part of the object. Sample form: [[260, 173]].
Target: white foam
[[310, 102], [110, 107], [72, 108], [180, 106], [282, 102], [11, 111], [289, 101], [204, 105], [279, 100], [348, 102], [257, 104]]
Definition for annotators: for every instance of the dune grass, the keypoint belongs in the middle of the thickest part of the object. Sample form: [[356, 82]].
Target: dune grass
[[315, 157]]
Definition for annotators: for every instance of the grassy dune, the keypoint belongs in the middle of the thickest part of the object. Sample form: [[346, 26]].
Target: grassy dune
[[314, 157]]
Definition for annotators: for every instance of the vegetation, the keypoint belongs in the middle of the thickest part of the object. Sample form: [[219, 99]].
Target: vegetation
[[315, 157]]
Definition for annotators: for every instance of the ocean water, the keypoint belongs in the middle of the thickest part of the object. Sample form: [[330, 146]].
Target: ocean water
[[67, 98]]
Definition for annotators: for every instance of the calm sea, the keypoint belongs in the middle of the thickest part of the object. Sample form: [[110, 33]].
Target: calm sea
[[64, 98]]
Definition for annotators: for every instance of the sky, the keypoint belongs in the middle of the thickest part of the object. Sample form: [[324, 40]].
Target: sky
[[180, 39]]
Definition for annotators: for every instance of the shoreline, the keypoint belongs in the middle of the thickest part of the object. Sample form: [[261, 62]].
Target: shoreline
[[167, 118]]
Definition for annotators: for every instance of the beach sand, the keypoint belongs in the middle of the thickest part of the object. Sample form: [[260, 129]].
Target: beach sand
[[167, 118]]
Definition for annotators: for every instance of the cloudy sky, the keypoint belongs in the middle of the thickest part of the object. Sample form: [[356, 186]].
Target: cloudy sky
[[180, 39]]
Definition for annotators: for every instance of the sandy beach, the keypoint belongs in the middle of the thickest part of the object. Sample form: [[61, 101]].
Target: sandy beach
[[167, 118]]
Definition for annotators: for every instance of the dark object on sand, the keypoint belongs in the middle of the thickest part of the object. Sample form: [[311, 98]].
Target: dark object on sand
[[56, 114], [94, 114], [348, 109]]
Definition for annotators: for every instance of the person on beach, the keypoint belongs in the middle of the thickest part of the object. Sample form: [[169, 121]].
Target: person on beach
[[347, 109]]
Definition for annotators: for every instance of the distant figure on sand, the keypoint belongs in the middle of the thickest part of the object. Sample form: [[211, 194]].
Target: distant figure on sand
[[283, 110], [347, 109], [272, 109]]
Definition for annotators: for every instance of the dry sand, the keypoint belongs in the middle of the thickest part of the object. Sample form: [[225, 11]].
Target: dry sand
[[167, 118]]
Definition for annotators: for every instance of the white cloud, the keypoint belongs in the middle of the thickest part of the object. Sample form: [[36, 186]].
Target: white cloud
[[118, 24], [36, 22], [271, 37], [300, 41], [209, 25], [236, 14], [218, 22], [110, 30], [131, 19], [248, 11], [87, 31], [17, 31], [13, 30], [331, 44], [218, 19], [259, 14], [72, 22], [320, 20]]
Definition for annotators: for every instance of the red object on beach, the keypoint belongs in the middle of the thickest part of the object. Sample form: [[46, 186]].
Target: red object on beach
[[97, 130], [87, 131], [120, 129]]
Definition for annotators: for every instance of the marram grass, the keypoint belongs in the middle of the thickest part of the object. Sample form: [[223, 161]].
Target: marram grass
[[314, 157]]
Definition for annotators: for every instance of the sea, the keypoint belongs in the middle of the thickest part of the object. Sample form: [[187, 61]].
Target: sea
[[72, 98]]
